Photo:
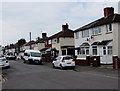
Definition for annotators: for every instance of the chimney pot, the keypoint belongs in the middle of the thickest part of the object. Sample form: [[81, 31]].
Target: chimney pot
[[108, 11], [44, 35], [65, 27]]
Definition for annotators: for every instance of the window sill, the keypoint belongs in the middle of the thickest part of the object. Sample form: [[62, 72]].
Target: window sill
[[108, 32], [96, 34]]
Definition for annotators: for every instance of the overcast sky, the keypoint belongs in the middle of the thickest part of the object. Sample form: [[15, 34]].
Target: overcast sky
[[20, 18]]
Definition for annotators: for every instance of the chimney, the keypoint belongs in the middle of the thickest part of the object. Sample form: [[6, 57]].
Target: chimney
[[44, 35], [65, 27], [108, 11]]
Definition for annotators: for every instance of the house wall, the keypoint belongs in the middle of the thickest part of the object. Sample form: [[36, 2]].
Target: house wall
[[99, 37], [63, 42], [119, 39], [57, 46], [116, 39], [66, 41], [39, 46], [26, 47]]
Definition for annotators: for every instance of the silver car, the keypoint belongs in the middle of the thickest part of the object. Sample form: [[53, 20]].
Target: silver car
[[4, 63]]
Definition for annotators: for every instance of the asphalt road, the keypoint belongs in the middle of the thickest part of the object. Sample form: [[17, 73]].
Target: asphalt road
[[30, 76]]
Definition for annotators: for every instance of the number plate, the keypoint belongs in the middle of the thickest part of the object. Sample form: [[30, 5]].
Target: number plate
[[68, 63]]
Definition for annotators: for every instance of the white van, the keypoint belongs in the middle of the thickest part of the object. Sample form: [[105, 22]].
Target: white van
[[32, 56]]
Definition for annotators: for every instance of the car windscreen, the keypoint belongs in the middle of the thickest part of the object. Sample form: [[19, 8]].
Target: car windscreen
[[67, 58], [34, 54]]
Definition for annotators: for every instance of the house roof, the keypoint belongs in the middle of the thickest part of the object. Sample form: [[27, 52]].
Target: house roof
[[66, 33], [84, 44], [67, 46], [95, 43], [102, 21], [42, 40], [30, 43], [103, 42]]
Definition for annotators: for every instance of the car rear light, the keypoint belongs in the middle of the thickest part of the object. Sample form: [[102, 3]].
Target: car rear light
[[6, 61], [63, 60], [73, 60]]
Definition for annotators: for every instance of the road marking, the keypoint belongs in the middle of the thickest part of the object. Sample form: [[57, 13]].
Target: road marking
[[4, 78]]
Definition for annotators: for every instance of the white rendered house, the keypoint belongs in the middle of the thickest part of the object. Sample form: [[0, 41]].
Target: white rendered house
[[100, 37]]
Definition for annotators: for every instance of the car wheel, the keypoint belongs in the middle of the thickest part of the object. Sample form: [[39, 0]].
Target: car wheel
[[61, 66], [24, 61], [73, 67], [53, 65], [27, 62]]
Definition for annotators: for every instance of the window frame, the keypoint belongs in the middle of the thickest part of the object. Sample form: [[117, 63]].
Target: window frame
[[97, 30], [94, 49], [104, 50], [85, 33], [109, 51], [109, 28], [85, 49]]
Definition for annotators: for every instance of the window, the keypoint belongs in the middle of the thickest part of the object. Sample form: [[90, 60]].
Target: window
[[57, 40], [109, 50], [77, 35], [25, 54], [96, 31], [84, 50], [94, 48], [104, 50], [34, 54], [108, 27], [87, 50], [63, 52], [85, 33], [58, 58], [67, 58]]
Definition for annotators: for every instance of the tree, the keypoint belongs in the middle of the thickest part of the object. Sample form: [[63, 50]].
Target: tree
[[21, 42]]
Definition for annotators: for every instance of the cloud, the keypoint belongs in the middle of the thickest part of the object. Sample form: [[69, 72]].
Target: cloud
[[21, 18]]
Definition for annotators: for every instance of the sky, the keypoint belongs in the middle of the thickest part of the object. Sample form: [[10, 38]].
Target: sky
[[17, 19]]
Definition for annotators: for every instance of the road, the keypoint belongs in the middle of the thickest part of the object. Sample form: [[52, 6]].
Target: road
[[30, 76]]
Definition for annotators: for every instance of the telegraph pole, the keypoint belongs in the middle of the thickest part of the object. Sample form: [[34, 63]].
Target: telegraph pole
[[30, 41]]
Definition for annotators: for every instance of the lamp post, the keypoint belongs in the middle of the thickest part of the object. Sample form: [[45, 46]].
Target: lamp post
[[30, 41]]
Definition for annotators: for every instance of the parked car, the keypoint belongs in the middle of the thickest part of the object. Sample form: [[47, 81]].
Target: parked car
[[4, 63], [32, 56], [11, 57], [64, 61]]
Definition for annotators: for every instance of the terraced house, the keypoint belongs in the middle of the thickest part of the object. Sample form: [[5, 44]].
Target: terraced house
[[100, 37]]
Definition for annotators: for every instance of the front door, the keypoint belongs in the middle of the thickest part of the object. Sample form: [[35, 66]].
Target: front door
[[106, 57]]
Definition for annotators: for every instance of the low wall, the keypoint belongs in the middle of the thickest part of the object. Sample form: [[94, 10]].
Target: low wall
[[83, 61], [116, 62]]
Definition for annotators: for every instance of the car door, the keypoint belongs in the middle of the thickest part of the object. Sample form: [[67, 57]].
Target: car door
[[26, 55], [57, 61], [1, 63]]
